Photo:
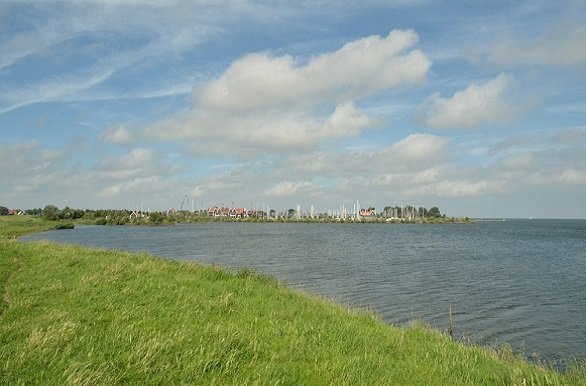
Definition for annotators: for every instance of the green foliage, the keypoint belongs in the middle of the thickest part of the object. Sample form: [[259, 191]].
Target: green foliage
[[156, 218], [434, 212], [51, 213], [65, 226], [3, 211], [396, 214], [576, 369], [15, 226]]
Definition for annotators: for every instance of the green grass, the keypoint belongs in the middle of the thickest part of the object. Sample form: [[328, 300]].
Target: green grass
[[76, 316], [13, 226]]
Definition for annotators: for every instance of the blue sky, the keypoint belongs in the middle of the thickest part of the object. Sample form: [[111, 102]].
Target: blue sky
[[476, 107]]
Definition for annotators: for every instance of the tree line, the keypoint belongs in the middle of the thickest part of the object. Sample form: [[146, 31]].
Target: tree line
[[125, 216]]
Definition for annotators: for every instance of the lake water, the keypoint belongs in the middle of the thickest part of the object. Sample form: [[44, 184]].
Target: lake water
[[520, 282]]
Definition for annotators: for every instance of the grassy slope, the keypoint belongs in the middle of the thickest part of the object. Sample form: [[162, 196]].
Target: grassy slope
[[14, 226], [72, 315]]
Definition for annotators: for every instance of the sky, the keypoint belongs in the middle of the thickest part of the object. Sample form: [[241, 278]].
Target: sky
[[476, 107]]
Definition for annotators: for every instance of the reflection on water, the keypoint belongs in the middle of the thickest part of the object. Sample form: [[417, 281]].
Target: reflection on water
[[517, 281]]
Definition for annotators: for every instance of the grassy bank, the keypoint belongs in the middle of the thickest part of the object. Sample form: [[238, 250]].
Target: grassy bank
[[13, 226], [72, 315]]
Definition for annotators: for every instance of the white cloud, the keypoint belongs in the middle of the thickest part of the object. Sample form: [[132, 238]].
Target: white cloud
[[561, 176], [418, 147], [275, 103], [360, 68], [269, 131], [19, 46], [329, 177], [276, 125], [414, 153], [519, 162], [117, 135], [461, 188], [41, 176], [560, 46], [414, 170], [287, 188], [138, 185], [49, 90], [26, 158], [547, 159], [58, 30], [573, 177], [347, 120], [474, 106], [139, 162]]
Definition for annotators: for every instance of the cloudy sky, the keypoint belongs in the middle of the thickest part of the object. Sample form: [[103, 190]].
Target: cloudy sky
[[477, 107]]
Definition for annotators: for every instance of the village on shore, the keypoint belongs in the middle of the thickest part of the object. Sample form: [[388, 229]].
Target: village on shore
[[390, 214]]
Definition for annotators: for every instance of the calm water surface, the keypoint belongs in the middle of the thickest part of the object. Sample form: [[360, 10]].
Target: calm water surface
[[520, 281]]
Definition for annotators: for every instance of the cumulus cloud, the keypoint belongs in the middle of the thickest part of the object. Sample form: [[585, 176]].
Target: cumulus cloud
[[276, 103], [554, 159], [358, 69], [326, 176], [410, 154], [27, 158], [138, 185], [38, 174], [42, 176], [119, 135], [270, 131], [417, 147], [137, 163], [471, 107], [413, 168]]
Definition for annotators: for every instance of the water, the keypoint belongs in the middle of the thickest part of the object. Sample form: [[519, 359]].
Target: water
[[519, 282]]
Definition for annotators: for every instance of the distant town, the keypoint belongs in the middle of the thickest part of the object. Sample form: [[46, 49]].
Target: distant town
[[390, 214]]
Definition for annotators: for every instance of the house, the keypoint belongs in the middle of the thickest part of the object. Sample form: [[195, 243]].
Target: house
[[238, 212], [256, 213], [215, 211], [370, 212]]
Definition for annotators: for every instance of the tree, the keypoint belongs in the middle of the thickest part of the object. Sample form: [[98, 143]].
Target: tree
[[51, 212], [156, 218], [66, 213], [434, 212], [3, 211]]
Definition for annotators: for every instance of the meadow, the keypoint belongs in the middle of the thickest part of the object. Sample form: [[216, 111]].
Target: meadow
[[71, 315]]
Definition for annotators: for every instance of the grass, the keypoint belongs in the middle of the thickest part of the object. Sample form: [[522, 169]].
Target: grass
[[13, 226], [76, 316]]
